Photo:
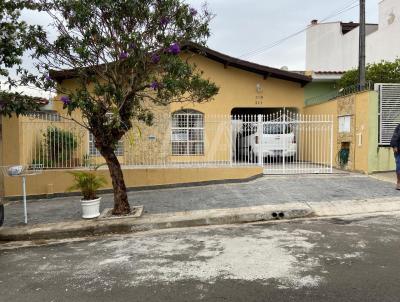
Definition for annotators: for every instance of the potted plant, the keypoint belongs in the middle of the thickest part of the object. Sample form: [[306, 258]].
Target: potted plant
[[88, 183]]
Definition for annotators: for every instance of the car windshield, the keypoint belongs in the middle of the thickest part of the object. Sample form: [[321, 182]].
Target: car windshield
[[277, 129]]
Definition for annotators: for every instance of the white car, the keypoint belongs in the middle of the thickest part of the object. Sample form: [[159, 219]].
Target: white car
[[277, 140]]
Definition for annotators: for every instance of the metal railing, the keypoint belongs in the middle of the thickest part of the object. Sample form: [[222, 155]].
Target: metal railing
[[282, 142], [338, 93]]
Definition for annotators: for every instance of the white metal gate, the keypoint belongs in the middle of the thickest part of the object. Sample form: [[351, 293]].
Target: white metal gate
[[284, 142]]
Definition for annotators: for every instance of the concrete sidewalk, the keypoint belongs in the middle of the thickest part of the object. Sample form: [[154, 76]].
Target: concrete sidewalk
[[385, 176], [268, 190], [148, 222]]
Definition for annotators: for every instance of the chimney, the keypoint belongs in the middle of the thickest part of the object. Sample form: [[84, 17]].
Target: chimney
[[314, 22]]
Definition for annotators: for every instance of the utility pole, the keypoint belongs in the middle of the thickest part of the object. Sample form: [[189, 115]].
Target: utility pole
[[361, 53]]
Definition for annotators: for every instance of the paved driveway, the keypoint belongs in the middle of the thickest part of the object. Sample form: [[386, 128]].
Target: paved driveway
[[265, 190]]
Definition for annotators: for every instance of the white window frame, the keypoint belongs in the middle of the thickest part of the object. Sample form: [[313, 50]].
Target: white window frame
[[194, 121]]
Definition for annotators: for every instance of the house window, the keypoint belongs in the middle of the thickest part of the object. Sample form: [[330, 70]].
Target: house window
[[187, 135], [94, 152]]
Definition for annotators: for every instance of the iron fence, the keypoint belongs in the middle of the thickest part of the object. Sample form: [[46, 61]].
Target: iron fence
[[282, 142]]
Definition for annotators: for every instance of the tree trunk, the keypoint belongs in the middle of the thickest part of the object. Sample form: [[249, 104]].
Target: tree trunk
[[121, 204]]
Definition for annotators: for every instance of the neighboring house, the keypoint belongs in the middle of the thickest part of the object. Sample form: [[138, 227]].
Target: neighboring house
[[333, 46], [368, 118], [323, 86]]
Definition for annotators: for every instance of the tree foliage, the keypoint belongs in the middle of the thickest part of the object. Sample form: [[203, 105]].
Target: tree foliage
[[123, 52], [383, 72], [126, 54], [14, 102], [16, 37]]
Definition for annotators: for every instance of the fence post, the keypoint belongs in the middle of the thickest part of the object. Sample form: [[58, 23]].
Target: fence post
[[331, 124], [230, 135], [260, 140], [284, 147]]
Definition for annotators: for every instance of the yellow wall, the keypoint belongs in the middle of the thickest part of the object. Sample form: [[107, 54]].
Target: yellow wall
[[238, 89], [365, 154], [361, 139], [330, 109], [57, 181]]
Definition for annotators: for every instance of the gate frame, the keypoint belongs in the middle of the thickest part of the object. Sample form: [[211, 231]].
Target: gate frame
[[300, 119]]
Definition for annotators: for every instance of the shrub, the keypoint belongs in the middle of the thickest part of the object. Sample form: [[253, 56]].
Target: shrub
[[88, 183], [56, 148], [383, 72]]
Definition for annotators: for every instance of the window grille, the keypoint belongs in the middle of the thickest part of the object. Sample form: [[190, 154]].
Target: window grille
[[187, 135]]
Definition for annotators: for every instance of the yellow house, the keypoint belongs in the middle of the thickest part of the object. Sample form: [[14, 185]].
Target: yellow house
[[183, 133]]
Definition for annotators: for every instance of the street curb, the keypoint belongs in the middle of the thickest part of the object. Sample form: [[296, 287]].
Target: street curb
[[351, 207], [148, 222], [96, 227]]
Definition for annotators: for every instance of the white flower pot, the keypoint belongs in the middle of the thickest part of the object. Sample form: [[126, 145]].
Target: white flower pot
[[91, 208]]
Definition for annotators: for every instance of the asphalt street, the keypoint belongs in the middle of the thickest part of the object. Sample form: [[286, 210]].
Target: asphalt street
[[352, 259]]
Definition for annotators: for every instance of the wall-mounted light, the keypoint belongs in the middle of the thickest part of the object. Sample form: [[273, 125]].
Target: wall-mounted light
[[259, 88]]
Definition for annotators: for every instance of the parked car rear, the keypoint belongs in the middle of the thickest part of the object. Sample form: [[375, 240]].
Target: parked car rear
[[277, 140]]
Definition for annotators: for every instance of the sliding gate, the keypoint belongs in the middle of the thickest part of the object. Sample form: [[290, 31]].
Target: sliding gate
[[284, 143]]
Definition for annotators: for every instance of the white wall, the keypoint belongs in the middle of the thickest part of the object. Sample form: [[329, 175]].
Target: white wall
[[329, 50], [385, 43]]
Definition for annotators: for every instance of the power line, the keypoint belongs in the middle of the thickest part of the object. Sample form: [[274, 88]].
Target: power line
[[339, 11], [347, 7]]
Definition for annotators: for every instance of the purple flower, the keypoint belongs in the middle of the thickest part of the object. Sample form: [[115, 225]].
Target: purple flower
[[164, 21], [123, 55], [155, 58], [48, 78], [193, 11], [174, 49], [155, 85], [65, 100]]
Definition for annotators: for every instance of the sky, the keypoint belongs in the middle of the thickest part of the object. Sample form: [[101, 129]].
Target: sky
[[242, 26]]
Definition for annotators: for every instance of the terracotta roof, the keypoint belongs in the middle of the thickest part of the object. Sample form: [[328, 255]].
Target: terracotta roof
[[60, 75], [39, 100], [329, 72], [249, 66]]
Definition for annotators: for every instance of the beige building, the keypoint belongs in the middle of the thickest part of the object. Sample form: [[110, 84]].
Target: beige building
[[188, 142]]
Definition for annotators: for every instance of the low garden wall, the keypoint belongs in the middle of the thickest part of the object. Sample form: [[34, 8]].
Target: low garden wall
[[52, 183]]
